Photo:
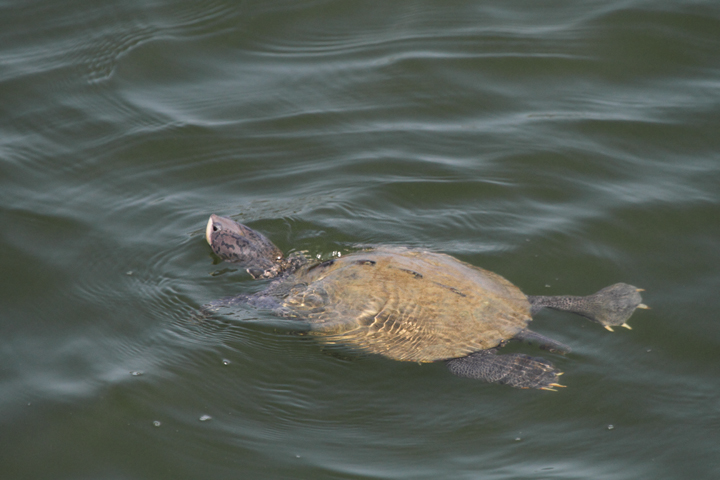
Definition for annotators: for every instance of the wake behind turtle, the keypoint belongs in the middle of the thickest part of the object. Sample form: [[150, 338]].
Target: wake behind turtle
[[412, 305]]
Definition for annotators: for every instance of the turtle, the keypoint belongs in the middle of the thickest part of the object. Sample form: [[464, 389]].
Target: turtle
[[412, 305]]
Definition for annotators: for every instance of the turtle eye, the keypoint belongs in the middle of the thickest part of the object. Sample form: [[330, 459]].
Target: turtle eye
[[215, 227]]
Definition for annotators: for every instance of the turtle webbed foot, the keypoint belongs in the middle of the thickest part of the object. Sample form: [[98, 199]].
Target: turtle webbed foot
[[613, 305], [515, 369]]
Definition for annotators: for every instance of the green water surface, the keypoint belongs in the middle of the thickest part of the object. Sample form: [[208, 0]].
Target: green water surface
[[565, 145]]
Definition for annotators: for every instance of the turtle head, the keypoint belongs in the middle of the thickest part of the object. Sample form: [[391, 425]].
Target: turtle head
[[236, 243]]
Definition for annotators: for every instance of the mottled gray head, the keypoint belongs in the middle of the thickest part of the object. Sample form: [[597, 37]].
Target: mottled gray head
[[236, 243]]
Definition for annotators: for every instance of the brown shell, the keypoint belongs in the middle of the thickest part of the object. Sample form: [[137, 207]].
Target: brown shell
[[408, 305]]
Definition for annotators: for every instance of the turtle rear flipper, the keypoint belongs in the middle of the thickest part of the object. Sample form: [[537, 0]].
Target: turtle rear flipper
[[611, 306], [515, 369], [542, 341]]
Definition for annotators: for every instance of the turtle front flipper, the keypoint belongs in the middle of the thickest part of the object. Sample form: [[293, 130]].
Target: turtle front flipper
[[257, 300], [515, 369], [227, 302]]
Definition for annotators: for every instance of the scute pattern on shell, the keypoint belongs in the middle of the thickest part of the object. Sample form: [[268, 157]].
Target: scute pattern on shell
[[408, 305]]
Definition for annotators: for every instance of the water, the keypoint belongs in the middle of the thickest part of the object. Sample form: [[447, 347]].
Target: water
[[565, 145]]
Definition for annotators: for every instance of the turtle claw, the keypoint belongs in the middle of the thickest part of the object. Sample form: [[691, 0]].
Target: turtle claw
[[551, 387], [626, 326], [639, 289], [643, 306], [609, 328]]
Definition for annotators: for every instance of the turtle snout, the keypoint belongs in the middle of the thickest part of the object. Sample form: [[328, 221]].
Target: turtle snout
[[216, 223], [211, 227]]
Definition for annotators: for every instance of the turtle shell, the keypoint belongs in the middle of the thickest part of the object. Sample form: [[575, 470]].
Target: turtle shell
[[407, 305]]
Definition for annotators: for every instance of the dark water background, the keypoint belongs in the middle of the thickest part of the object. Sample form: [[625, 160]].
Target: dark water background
[[566, 145]]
